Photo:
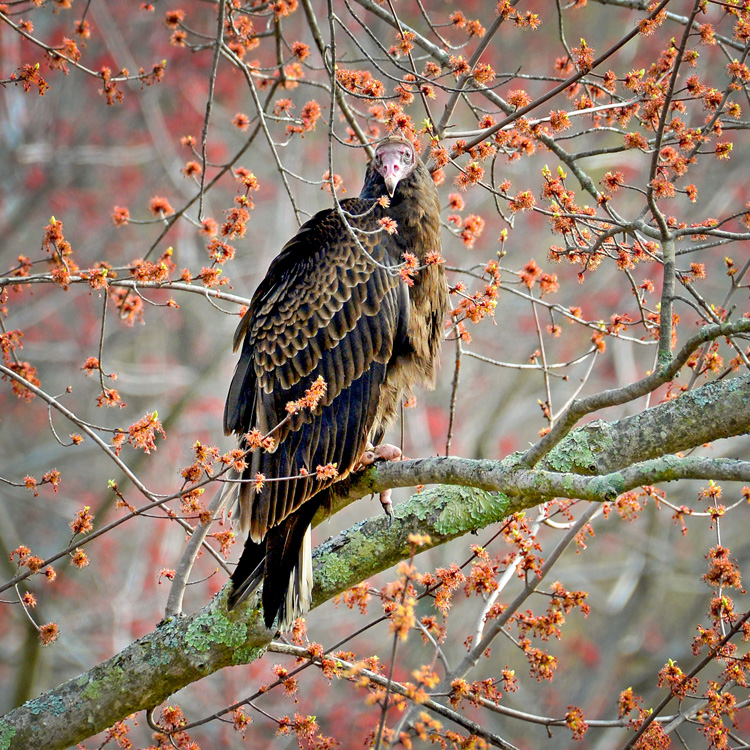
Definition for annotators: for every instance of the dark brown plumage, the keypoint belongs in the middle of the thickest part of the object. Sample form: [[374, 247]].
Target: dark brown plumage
[[336, 307]]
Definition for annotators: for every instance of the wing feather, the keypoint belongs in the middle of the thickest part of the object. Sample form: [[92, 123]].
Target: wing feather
[[324, 309]]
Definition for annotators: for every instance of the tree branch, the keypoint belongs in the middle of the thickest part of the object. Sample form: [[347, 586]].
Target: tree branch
[[663, 374]]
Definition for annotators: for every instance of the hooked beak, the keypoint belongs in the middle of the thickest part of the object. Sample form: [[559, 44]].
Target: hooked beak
[[391, 180]]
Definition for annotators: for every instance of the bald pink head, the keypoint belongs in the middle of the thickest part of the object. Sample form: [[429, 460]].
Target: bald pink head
[[394, 160]]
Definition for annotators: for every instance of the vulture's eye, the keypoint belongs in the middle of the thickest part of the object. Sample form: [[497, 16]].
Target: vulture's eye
[[408, 157]]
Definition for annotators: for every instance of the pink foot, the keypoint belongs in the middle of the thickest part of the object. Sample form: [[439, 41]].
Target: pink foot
[[384, 452]]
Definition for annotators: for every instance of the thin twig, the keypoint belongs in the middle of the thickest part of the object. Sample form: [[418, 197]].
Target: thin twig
[[210, 100]]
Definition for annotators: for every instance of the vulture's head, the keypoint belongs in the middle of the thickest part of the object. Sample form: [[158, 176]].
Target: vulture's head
[[394, 160]]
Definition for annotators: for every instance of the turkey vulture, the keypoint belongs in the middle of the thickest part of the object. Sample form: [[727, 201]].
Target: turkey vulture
[[337, 305]]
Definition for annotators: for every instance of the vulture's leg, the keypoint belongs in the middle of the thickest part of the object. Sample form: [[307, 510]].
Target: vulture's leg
[[383, 452], [387, 503]]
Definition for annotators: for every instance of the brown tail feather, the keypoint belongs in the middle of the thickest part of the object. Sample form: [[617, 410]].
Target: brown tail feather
[[282, 562]]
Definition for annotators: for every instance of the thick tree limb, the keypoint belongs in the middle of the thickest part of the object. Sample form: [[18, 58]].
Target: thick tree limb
[[592, 462], [599, 451]]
